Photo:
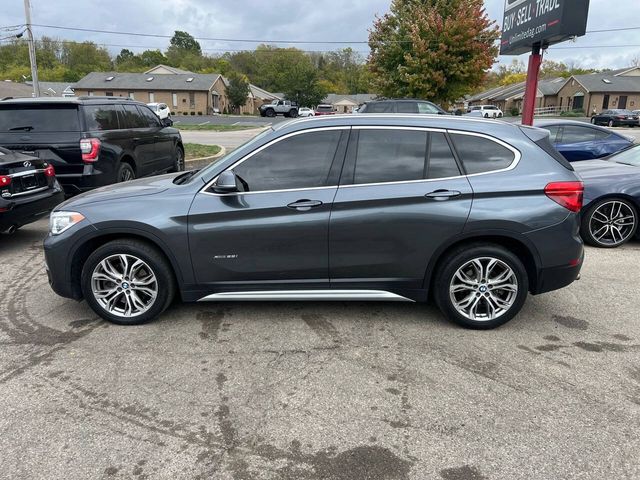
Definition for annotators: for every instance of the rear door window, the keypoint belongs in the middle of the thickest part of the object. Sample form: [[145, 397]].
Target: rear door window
[[407, 107], [442, 163], [132, 117], [426, 108], [380, 107], [101, 117], [39, 118], [390, 156], [576, 134], [481, 154]]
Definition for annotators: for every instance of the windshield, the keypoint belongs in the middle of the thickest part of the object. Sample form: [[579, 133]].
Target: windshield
[[242, 149], [630, 156]]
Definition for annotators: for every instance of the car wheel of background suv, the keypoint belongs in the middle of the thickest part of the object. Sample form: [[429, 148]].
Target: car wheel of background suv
[[611, 124], [178, 165], [127, 282], [125, 173], [609, 223], [481, 286]]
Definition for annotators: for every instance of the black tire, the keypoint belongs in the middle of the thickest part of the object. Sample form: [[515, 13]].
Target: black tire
[[588, 221], [178, 163], [486, 115], [270, 113], [499, 115], [593, 121], [152, 257], [460, 257], [611, 123], [293, 113], [125, 173]]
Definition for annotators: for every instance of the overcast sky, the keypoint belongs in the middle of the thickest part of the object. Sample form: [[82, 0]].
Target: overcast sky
[[304, 20]]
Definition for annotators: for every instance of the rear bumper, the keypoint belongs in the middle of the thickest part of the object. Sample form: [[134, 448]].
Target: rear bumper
[[28, 209], [555, 278], [90, 178]]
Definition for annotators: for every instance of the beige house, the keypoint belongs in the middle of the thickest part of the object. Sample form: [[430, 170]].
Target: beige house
[[512, 96], [347, 103], [596, 92]]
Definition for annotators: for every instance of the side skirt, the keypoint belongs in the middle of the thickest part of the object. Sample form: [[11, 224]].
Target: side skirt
[[304, 295]]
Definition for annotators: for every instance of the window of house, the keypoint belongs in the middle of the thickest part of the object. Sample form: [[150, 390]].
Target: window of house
[[109, 94], [152, 97], [390, 156], [300, 161], [174, 99], [480, 154], [132, 96], [192, 100], [90, 93]]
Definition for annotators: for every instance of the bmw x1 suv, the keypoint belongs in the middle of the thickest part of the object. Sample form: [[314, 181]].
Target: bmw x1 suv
[[472, 214]]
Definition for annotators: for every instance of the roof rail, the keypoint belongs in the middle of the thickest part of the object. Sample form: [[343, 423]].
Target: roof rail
[[102, 97]]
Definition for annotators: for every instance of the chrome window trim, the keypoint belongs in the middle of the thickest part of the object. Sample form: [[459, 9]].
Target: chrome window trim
[[258, 150]]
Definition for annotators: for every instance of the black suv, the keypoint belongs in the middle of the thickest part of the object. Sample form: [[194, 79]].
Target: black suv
[[402, 106], [475, 214], [91, 141]]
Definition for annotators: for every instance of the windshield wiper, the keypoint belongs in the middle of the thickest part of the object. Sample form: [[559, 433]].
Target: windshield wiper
[[26, 128]]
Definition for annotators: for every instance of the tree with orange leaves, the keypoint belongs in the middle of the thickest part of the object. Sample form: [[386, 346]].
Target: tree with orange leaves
[[438, 50]]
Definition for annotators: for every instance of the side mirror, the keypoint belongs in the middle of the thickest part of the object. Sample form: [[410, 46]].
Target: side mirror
[[226, 183], [167, 122]]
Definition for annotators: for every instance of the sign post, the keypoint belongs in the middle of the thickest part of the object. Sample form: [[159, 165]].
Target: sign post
[[534, 25]]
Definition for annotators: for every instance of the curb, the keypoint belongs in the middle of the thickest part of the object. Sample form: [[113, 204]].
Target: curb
[[222, 152]]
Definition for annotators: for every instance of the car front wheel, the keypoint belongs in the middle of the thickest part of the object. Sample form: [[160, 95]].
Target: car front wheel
[[178, 164], [481, 286], [609, 223], [611, 124], [127, 282]]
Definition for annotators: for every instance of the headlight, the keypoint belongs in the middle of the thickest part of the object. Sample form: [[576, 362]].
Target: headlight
[[61, 221]]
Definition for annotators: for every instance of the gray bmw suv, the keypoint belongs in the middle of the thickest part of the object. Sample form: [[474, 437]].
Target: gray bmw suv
[[472, 214]]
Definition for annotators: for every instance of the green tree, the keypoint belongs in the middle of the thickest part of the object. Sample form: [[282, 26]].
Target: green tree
[[183, 41], [81, 58], [237, 90], [432, 49]]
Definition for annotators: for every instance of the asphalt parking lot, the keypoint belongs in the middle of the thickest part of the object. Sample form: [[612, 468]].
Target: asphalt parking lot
[[320, 390]]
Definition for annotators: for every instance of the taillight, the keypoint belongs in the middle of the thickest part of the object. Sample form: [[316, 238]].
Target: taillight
[[5, 180], [90, 148], [567, 194], [621, 117], [49, 171]]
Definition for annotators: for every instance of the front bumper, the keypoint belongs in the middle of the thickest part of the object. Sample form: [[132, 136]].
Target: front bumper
[[21, 211]]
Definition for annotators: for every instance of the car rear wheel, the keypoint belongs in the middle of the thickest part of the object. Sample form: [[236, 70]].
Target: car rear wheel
[[609, 223], [611, 124], [486, 115], [593, 121], [178, 164], [481, 286], [125, 173], [293, 113], [127, 282], [270, 113]]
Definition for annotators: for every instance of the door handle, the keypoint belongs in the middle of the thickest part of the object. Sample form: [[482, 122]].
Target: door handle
[[304, 205], [440, 195]]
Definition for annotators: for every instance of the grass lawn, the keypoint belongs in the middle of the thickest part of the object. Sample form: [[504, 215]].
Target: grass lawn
[[196, 150], [212, 128]]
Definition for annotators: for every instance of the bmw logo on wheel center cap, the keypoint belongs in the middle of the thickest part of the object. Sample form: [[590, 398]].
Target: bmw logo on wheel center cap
[[125, 285], [483, 288]]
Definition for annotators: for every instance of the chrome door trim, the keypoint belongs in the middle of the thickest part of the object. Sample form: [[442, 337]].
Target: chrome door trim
[[258, 150], [304, 295]]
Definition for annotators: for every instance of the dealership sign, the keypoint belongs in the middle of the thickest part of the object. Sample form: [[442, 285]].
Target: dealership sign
[[531, 23]]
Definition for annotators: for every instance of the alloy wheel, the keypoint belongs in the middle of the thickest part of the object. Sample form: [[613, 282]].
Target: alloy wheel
[[126, 175], [612, 223], [483, 289], [124, 285], [179, 160]]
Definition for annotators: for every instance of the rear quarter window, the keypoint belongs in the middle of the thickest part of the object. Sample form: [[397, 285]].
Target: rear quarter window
[[39, 118], [481, 154]]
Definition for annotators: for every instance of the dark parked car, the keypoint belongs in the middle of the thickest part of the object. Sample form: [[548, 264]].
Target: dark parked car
[[91, 141], [611, 198], [402, 106], [355, 207], [616, 118], [578, 141], [28, 190]]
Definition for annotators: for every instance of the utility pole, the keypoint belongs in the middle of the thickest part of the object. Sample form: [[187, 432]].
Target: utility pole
[[32, 49]]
